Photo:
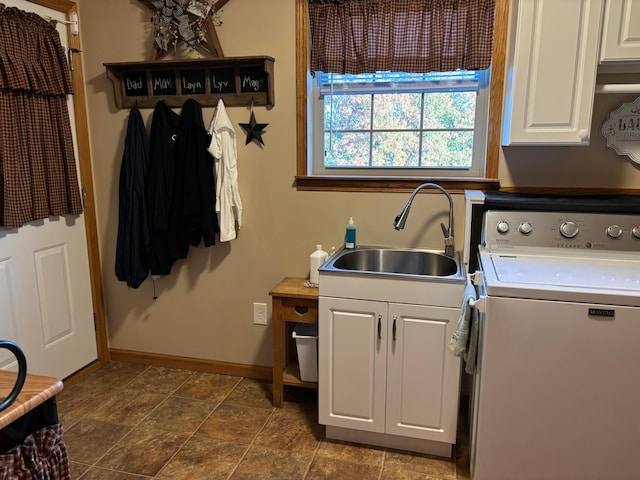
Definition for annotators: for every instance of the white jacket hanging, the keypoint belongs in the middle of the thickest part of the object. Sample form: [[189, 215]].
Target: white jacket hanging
[[223, 149]]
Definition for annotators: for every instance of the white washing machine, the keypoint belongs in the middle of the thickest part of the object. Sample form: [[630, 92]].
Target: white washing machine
[[557, 389]]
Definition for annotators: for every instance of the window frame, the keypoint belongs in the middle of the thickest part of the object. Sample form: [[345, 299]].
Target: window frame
[[306, 181], [317, 113]]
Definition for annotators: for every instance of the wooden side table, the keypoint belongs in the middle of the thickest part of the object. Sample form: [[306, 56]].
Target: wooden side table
[[35, 408], [291, 303]]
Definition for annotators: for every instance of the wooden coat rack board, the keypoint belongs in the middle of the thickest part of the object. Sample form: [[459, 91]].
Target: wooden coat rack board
[[239, 81]]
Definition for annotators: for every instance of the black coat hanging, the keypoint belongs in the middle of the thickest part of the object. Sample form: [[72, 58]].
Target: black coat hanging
[[132, 249]]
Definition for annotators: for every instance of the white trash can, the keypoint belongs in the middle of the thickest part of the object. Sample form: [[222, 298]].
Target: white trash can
[[306, 335]]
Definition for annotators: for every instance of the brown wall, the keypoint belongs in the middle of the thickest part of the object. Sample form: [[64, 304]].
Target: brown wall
[[204, 309]]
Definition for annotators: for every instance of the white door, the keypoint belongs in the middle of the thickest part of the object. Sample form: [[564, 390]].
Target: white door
[[45, 288], [423, 378], [352, 363]]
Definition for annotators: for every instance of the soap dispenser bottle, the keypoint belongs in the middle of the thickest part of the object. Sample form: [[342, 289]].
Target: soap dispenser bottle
[[316, 259], [350, 235]]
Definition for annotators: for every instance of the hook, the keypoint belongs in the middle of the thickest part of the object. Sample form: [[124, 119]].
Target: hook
[[251, 103]]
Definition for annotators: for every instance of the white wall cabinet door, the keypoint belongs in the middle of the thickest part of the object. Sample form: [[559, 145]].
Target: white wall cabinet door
[[553, 57], [423, 377], [352, 337], [620, 32]]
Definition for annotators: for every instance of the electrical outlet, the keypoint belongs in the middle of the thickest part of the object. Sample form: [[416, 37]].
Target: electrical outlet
[[259, 313]]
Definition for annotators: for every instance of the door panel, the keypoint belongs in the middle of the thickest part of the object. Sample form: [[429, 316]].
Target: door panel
[[423, 377], [45, 287], [352, 365], [8, 329]]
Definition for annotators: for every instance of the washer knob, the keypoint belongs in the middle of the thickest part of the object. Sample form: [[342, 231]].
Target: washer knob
[[569, 229], [525, 228], [614, 231], [502, 227], [635, 231]]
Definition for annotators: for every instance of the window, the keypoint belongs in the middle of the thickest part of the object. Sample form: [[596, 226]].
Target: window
[[323, 99], [399, 124]]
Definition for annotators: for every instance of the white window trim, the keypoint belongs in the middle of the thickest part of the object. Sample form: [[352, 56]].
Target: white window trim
[[316, 143]]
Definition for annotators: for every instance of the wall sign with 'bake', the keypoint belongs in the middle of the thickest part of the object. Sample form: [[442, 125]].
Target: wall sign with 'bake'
[[239, 81], [621, 130]]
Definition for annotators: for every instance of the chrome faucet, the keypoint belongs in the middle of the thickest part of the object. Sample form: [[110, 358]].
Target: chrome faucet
[[401, 219]]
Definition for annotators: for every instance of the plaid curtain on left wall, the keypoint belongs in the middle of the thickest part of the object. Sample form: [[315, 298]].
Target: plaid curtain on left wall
[[38, 176]]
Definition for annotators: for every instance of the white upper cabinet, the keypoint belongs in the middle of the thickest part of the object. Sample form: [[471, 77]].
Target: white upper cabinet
[[551, 71], [620, 32]]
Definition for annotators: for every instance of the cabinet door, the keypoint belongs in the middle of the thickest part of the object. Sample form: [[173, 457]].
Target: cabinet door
[[352, 337], [423, 378], [552, 71], [621, 31]]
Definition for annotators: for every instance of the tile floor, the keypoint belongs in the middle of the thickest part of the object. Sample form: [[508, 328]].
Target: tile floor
[[128, 421]]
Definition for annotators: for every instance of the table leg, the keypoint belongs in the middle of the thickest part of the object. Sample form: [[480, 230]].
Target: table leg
[[276, 326]]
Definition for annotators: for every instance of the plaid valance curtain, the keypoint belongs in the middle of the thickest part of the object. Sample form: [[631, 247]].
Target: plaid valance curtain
[[38, 176], [417, 36]]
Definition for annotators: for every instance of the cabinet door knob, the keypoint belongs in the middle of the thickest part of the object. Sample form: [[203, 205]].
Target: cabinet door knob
[[583, 134], [379, 326]]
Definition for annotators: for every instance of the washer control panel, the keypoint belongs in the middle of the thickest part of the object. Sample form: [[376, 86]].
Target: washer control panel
[[599, 231]]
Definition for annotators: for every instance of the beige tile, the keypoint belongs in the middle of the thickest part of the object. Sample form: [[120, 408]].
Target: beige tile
[[180, 415], [208, 386], [398, 473], [262, 463], [144, 451], [328, 469], [160, 380], [351, 452], [88, 440], [115, 374], [129, 407], [432, 466], [234, 423], [97, 473], [252, 393], [290, 430], [203, 459], [85, 395], [304, 407], [242, 438], [79, 399], [77, 469]]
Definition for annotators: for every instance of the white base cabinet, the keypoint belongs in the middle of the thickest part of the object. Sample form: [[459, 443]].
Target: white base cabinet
[[385, 370]]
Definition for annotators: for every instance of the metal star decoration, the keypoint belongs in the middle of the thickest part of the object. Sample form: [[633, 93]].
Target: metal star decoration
[[189, 21], [254, 129]]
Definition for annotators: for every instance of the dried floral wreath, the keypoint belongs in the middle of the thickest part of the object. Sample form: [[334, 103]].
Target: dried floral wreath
[[181, 20]]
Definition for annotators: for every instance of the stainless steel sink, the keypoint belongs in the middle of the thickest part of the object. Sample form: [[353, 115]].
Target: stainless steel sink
[[398, 261]]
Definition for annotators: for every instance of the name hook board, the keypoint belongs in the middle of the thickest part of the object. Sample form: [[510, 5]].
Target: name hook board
[[239, 81]]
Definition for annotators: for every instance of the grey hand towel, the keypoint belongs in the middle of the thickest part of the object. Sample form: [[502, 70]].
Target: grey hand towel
[[472, 351], [458, 344]]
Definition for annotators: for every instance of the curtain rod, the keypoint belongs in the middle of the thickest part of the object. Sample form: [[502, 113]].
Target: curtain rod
[[73, 22]]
